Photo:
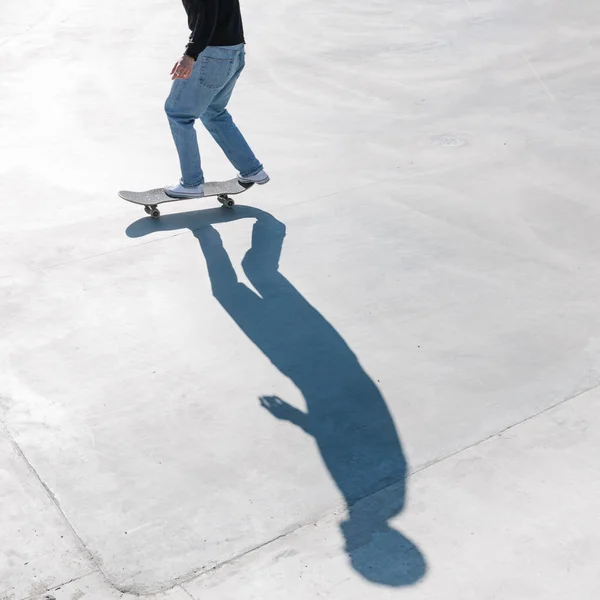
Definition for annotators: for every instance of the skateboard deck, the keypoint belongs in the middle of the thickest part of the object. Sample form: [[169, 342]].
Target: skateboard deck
[[150, 199]]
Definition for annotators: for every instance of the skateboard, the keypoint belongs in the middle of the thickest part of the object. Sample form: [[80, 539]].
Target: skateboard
[[150, 199]]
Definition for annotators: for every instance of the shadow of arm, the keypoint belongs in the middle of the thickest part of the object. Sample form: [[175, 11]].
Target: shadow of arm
[[267, 241]]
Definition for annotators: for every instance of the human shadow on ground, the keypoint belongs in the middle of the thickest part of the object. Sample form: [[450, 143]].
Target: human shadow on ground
[[345, 411]]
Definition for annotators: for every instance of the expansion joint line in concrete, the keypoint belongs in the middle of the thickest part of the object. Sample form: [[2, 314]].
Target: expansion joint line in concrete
[[53, 499], [60, 585]]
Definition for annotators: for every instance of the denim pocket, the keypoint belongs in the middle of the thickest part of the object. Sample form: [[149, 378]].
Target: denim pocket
[[215, 72]]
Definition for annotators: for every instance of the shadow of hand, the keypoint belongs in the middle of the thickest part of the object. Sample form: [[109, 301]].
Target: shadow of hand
[[280, 409]]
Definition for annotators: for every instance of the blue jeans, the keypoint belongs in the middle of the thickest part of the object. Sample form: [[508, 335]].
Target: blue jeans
[[205, 95]]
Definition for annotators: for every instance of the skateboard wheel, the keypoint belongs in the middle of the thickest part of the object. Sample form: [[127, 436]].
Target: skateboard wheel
[[152, 210], [226, 201]]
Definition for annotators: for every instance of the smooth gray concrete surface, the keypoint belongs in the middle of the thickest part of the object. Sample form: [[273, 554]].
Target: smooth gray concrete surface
[[294, 397]]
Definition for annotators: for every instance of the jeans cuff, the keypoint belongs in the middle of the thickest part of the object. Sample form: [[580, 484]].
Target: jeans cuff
[[187, 185], [253, 172]]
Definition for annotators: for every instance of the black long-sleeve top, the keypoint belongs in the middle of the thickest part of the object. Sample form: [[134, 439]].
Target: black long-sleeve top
[[213, 23]]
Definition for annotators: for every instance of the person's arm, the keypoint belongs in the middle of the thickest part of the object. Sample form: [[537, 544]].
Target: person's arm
[[203, 28]]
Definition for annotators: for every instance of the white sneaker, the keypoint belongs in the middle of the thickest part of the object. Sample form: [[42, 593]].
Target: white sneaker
[[179, 191], [261, 178]]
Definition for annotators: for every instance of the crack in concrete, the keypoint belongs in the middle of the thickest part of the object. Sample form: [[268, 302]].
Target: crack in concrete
[[186, 592], [101, 254], [61, 585]]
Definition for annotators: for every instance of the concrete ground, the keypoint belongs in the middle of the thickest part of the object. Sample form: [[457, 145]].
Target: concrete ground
[[378, 377]]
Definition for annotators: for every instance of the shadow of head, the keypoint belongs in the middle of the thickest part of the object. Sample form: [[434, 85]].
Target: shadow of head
[[383, 555], [377, 551], [193, 220]]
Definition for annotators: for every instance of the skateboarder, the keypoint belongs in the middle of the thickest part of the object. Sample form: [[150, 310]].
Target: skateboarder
[[203, 81]]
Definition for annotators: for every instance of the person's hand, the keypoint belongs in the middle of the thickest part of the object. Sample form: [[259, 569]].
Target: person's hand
[[183, 68]]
